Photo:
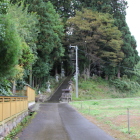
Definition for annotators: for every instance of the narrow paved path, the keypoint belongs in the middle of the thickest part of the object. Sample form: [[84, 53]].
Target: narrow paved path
[[59, 121]]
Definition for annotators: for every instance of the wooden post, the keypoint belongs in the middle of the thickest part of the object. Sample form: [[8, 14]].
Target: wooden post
[[2, 108], [16, 105], [128, 120], [10, 107]]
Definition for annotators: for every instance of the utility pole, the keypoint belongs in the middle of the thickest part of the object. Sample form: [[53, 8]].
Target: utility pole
[[76, 49], [76, 71]]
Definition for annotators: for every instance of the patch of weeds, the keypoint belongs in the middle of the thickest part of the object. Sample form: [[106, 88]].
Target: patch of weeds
[[99, 118], [84, 111], [20, 126], [95, 103], [94, 112], [125, 130], [108, 122], [114, 96]]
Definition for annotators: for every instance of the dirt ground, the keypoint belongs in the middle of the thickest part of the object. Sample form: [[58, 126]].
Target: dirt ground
[[118, 120]]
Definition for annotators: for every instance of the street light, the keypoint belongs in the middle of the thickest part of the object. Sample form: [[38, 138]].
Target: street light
[[76, 48]]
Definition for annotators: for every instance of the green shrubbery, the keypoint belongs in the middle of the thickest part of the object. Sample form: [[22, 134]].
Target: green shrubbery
[[93, 88], [125, 85], [5, 87], [98, 88]]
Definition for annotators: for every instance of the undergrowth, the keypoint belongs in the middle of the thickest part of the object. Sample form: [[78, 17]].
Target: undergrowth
[[98, 88]]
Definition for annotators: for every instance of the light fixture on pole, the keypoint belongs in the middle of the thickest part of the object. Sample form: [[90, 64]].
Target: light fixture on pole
[[76, 48]]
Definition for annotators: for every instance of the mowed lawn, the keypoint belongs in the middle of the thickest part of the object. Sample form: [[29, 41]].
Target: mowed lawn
[[122, 115]]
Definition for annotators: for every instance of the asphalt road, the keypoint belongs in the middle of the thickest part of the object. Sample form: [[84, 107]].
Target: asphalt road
[[59, 121]]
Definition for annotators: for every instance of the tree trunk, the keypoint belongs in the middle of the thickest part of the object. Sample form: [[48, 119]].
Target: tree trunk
[[99, 72], [56, 71], [30, 76], [33, 82], [85, 78], [119, 73], [106, 77], [14, 87], [88, 71]]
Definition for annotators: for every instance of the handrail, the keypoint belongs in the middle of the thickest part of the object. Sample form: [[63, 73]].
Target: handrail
[[11, 96]]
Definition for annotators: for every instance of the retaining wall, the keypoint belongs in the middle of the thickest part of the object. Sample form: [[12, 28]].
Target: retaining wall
[[7, 125]]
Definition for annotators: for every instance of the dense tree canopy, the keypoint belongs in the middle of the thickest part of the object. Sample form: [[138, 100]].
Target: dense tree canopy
[[103, 39], [117, 8], [32, 37], [27, 30], [49, 47], [10, 45]]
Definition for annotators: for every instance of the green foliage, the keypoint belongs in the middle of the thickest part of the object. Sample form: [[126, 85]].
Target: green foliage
[[5, 87], [103, 39], [3, 6], [95, 103], [129, 48], [128, 55], [27, 30], [49, 44], [17, 39], [10, 46], [31, 34], [98, 88], [133, 74], [27, 58], [64, 8], [94, 88], [125, 85], [20, 84]]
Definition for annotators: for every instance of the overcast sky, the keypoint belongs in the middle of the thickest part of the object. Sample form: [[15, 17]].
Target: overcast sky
[[133, 20]]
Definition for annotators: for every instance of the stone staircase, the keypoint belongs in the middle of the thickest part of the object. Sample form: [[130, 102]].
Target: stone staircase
[[57, 94]]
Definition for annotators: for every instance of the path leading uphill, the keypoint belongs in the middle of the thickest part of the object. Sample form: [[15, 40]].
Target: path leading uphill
[[55, 97], [59, 121]]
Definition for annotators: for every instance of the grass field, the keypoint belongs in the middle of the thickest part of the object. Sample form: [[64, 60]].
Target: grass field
[[114, 113]]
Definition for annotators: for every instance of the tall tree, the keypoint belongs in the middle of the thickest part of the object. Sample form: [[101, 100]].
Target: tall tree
[[27, 30], [10, 45], [103, 39], [117, 8], [64, 8], [49, 46]]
